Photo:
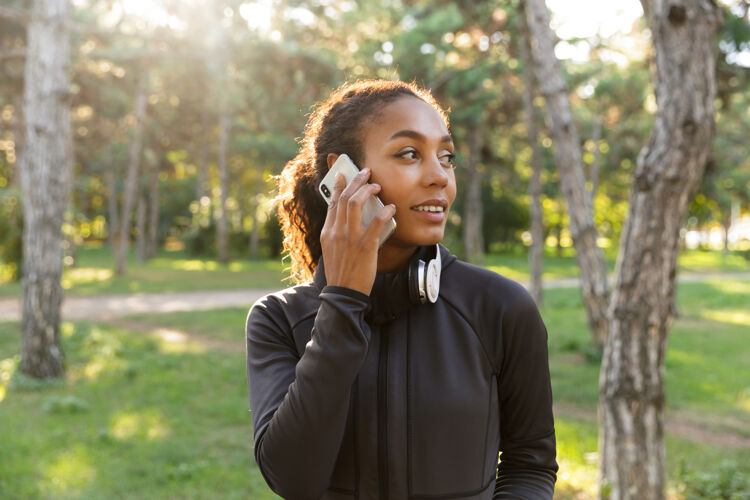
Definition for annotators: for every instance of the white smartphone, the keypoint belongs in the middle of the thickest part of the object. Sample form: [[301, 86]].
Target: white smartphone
[[349, 170]]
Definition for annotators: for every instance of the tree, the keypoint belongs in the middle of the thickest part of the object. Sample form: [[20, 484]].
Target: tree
[[568, 160], [535, 185], [45, 182], [670, 166], [131, 182]]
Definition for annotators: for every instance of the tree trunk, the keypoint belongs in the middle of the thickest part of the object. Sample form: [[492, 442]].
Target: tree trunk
[[726, 224], [535, 185], [113, 219], [131, 182], [201, 187], [596, 136], [46, 182], [69, 244], [472, 224], [669, 168], [19, 132], [255, 232], [222, 235], [153, 222], [568, 160], [140, 224]]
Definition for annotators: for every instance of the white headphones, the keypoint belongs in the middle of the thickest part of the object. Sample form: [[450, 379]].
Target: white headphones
[[424, 279]]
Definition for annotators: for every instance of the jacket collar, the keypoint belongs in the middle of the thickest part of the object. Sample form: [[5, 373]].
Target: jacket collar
[[390, 292]]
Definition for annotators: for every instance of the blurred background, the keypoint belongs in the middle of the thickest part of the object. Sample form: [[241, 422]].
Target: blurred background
[[181, 113]]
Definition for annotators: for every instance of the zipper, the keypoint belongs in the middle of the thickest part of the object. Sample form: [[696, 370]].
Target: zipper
[[383, 417]]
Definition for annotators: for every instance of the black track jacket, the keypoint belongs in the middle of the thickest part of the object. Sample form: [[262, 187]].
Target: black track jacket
[[371, 397]]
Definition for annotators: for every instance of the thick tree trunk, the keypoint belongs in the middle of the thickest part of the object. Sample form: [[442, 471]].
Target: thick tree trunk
[[222, 235], [45, 181], [131, 182], [669, 169], [535, 184], [472, 224], [153, 219], [568, 160]]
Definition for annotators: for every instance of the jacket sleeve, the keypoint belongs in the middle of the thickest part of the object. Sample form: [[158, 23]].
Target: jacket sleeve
[[527, 469], [300, 404]]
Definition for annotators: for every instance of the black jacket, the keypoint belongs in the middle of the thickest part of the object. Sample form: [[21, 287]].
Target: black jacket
[[375, 398]]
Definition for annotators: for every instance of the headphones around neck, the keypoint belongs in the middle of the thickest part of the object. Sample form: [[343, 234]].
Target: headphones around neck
[[424, 279]]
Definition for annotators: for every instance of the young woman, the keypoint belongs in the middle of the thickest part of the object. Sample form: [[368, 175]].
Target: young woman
[[366, 383]]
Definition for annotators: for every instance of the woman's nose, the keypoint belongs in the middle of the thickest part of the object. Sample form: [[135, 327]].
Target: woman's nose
[[435, 173]]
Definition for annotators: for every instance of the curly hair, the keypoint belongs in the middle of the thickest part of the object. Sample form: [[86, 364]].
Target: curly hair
[[335, 126]]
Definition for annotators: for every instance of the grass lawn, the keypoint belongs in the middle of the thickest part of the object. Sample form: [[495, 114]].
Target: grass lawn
[[167, 272], [175, 271], [138, 416]]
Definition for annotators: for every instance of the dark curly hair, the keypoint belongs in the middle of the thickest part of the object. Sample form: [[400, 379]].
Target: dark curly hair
[[335, 126]]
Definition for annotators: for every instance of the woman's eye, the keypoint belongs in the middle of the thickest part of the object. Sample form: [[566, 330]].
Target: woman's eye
[[409, 155], [447, 159]]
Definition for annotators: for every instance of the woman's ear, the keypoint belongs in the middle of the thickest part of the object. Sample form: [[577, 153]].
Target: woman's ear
[[331, 159]]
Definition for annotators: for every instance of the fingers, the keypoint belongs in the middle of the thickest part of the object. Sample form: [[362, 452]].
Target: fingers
[[338, 186], [357, 203], [378, 222], [344, 204]]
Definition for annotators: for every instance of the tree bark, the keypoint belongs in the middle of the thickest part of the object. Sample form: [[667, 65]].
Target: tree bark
[[536, 251], [153, 219], [46, 183], [568, 160], [669, 168], [131, 182], [222, 235], [472, 224]]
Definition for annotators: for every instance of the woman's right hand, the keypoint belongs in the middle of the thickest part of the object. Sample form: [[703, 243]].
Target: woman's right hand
[[350, 250]]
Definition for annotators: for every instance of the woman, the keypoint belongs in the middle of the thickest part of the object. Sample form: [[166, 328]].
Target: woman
[[359, 386]]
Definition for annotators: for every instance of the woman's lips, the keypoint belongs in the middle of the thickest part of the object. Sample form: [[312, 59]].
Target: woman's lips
[[430, 216]]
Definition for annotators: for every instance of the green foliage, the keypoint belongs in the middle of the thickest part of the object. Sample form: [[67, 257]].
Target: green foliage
[[730, 481], [11, 234]]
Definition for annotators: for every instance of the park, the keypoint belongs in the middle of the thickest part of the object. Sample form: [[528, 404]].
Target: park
[[602, 163]]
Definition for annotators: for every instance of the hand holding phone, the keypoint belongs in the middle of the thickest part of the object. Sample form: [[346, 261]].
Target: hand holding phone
[[349, 244], [372, 205]]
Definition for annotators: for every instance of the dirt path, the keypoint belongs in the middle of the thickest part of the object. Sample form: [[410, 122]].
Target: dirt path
[[113, 306]]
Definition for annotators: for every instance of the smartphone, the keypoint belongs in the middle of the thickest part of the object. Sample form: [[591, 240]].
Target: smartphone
[[372, 206]]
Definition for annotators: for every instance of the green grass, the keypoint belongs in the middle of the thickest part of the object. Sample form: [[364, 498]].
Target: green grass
[[175, 271], [167, 272], [706, 359], [141, 417], [134, 418]]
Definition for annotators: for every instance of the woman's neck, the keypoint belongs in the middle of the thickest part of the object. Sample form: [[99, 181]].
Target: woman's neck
[[392, 259]]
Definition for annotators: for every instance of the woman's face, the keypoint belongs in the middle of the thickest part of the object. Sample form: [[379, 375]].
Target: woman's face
[[409, 151]]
